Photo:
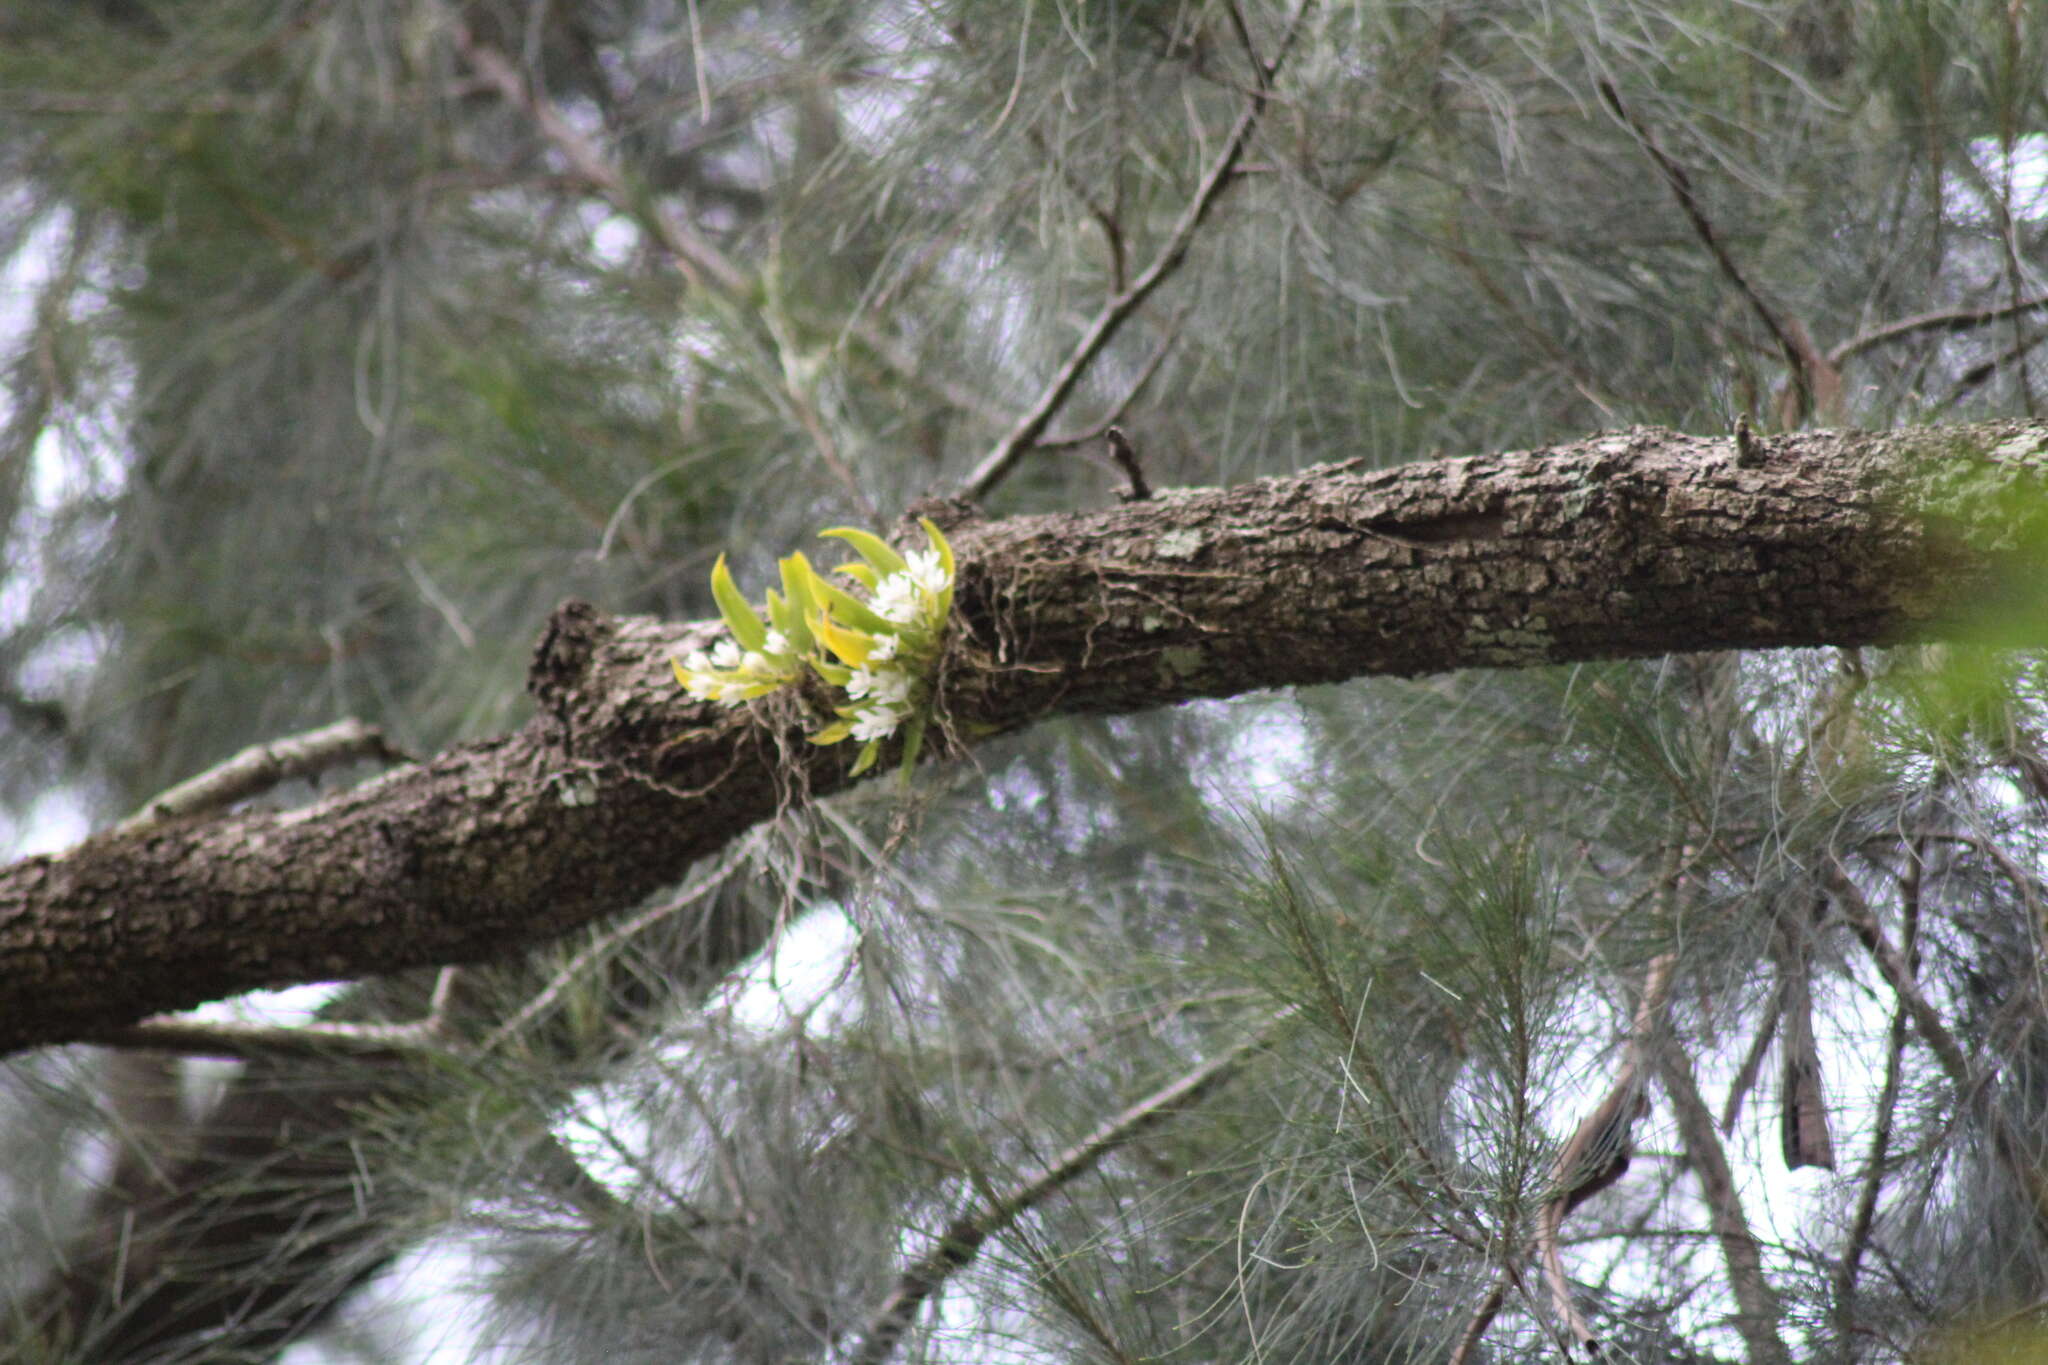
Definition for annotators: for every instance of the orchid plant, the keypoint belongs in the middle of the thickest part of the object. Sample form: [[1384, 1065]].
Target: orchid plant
[[874, 641]]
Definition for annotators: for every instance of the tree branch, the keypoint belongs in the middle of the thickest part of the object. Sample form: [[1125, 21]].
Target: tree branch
[[1945, 320], [1598, 1152], [1758, 1310], [963, 1238], [1626, 545], [1877, 1166], [1900, 976], [1815, 383], [1117, 310], [260, 767]]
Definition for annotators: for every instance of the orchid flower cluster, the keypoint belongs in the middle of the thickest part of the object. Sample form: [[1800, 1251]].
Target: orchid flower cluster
[[876, 646]]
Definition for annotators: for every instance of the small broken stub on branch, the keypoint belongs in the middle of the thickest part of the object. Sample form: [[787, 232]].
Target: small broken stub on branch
[[1126, 456]]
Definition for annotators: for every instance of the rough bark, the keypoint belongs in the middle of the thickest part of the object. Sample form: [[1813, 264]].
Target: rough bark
[[1625, 544]]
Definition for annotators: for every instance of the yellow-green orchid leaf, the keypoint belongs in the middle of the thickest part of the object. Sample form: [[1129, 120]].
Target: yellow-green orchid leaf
[[797, 577], [939, 545], [870, 547], [850, 609], [833, 733], [682, 677], [867, 757], [913, 740], [789, 623], [739, 617], [837, 674], [859, 573], [945, 553], [852, 646]]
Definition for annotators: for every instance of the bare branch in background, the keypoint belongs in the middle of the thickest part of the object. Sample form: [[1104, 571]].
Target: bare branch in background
[[1816, 384], [1018, 441], [1759, 1314], [1598, 1151], [1855, 909], [962, 1240], [1877, 1164], [1122, 405], [1126, 456], [260, 767], [1950, 320], [696, 256], [1752, 1062]]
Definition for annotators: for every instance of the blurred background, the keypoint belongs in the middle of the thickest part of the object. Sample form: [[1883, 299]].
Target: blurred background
[[342, 339]]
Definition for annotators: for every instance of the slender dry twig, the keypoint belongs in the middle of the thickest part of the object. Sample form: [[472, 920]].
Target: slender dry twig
[[1898, 975], [1122, 405], [1758, 1311], [1126, 456], [964, 1237], [198, 1038], [1752, 1063], [696, 256], [1943, 320], [609, 941], [1597, 1154], [429, 1034], [1849, 1265], [693, 254], [262, 766], [1815, 384], [1112, 229], [1119, 307]]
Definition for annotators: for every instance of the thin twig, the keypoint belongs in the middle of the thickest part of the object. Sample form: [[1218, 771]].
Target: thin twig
[[1122, 405], [1752, 1063], [1849, 1264], [1758, 1310], [1119, 308], [262, 766], [1810, 370], [964, 1237], [427, 1035], [1112, 230], [1597, 1154], [1126, 456], [1945, 320], [693, 254], [1898, 975], [198, 1038]]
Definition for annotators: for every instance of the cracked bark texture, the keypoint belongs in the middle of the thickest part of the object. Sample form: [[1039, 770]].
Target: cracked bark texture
[[1622, 545]]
